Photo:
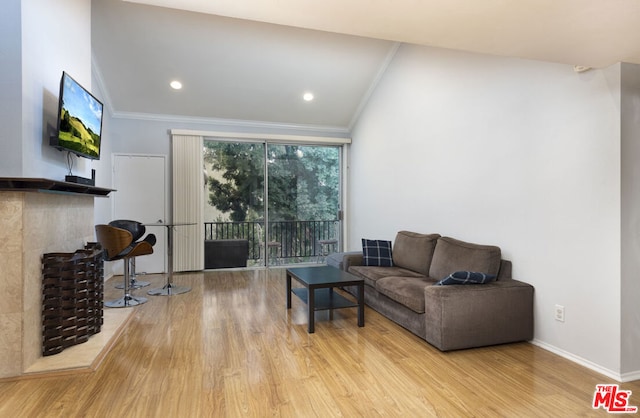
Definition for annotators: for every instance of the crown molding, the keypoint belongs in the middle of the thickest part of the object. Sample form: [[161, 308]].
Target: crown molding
[[235, 123], [374, 84], [104, 93]]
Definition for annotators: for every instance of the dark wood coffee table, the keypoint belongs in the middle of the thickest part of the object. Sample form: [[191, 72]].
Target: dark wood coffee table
[[318, 291]]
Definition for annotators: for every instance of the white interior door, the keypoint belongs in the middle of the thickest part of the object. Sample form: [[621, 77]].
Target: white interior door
[[141, 190]]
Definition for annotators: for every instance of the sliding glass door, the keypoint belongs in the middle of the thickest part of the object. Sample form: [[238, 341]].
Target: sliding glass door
[[303, 201], [275, 204], [234, 203]]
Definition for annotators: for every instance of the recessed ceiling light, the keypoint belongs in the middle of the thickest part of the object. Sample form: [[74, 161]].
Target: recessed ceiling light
[[308, 96], [176, 85]]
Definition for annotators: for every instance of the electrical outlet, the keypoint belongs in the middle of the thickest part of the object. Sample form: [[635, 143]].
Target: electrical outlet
[[559, 313]]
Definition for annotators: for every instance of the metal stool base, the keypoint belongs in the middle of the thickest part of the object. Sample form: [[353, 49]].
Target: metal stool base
[[168, 290], [125, 302], [134, 284]]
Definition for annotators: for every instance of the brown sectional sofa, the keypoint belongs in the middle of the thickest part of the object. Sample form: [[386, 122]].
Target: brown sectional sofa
[[449, 317]]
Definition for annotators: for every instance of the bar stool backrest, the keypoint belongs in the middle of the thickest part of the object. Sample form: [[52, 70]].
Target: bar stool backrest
[[136, 228], [114, 241]]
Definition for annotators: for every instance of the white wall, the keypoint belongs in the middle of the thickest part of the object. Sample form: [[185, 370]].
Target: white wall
[[103, 207], [10, 82], [56, 36], [520, 154], [53, 37], [630, 219], [150, 134]]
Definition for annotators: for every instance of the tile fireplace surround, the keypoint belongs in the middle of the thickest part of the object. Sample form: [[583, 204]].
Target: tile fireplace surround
[[31, 224]]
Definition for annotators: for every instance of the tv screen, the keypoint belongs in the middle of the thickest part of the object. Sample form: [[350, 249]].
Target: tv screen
[[79, 120]]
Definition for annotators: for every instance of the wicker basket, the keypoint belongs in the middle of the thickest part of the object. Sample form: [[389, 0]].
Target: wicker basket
[[72, 297]]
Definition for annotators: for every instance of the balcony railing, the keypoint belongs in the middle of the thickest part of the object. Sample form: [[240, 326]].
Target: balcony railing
[[291, 241]]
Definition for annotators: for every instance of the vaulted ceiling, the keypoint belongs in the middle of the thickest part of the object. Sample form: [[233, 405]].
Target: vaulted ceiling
[[252, 60]]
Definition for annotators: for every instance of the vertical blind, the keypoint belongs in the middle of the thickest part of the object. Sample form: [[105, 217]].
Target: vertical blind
[[188, 195]]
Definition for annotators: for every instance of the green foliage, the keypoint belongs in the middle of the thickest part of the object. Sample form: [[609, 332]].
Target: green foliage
[[303, 181], [239, 189]]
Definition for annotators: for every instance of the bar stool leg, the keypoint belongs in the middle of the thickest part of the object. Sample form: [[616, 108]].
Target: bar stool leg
[[133, 283], [127, 300]]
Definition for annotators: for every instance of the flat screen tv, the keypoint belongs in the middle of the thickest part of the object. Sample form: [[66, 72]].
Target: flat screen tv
[[79, 120]]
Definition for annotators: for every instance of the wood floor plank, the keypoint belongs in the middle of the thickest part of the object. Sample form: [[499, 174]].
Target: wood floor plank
[[230, 348]]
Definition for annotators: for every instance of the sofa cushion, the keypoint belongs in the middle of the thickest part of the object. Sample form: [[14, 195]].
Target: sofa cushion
[[408, 291], [414, 251], [466, 277], [376, 253], [372, 274], [453, 255]]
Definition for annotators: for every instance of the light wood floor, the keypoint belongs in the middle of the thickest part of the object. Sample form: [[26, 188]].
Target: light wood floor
[[230, 348]]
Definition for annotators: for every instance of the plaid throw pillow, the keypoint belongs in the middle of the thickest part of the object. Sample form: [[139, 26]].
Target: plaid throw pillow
[[466, 277], [376, 253]]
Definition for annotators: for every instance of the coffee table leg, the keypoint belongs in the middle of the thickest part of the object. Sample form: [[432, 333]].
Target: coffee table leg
[[288, 291], [311, 298], [361, 305], [331, 303]]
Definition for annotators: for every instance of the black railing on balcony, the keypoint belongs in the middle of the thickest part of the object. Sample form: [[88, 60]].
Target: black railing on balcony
[[290, 239]]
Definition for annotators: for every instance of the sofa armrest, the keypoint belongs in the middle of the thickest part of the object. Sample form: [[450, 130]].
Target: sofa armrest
[[343, 261], [464, 316], [352, 259]]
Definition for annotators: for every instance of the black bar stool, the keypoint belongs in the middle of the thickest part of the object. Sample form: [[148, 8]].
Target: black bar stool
[[137, 229], [118, 244]]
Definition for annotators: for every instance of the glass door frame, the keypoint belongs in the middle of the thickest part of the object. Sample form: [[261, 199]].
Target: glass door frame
[[265, 141]]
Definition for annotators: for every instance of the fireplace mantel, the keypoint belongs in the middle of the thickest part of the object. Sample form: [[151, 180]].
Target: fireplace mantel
[[26, 184]]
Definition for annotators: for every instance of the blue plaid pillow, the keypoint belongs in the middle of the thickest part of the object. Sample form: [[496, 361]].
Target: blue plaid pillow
[[466, 277], [376, 253]]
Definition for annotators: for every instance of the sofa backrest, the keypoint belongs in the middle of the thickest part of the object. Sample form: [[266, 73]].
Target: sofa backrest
[[414, 251], [451, 255], [505, 270]]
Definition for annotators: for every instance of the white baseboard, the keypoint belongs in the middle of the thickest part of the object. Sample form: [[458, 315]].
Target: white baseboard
[[631, 376], [626, 377]]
